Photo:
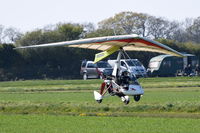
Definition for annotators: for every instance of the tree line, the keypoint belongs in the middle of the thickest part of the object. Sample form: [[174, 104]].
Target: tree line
[[64, 63]]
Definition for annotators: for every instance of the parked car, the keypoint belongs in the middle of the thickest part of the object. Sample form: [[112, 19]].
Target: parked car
[[91, 70], [134, 66]]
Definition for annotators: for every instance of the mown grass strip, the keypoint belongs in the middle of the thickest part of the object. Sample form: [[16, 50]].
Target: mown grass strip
[[61, 85], [66, 108], [85, 124]]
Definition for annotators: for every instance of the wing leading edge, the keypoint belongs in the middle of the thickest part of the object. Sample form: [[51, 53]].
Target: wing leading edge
[[110, 44]]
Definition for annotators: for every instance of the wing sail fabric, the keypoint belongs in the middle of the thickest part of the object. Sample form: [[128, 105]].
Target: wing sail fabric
[[104, 54], [113, 43]]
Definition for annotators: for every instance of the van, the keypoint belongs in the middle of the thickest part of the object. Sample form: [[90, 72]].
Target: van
[[134, 66]]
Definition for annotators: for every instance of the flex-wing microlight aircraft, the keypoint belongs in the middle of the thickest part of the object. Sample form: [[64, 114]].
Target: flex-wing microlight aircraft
[[120, 83]]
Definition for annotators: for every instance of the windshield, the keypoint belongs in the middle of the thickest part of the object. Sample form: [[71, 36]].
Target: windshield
[[91, 65], [134, 81], [103, 65], [133, 63]]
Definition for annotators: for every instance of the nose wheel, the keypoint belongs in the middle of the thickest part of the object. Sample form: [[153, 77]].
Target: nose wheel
[[137, 98]]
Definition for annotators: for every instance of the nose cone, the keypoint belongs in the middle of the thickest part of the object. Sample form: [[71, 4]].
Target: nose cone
[[137, 88]]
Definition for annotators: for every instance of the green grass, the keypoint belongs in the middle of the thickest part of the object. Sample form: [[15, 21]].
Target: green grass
[[153, 101], [61, 85], [76, 96], [168, 105], [48, 85], [37, 97], [79, 124]]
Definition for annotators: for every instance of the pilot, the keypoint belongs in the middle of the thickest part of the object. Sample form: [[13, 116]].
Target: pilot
[[125, 79]]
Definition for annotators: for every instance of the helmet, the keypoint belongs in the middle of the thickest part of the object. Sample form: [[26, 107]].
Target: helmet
[[125, 73]]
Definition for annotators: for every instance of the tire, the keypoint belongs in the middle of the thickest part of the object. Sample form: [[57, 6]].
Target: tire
[[125, 99], [99, 101], [84, 76], [137, 98], [126, 102]]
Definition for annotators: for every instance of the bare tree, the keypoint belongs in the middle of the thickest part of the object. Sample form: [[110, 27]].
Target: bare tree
[[127, 23], [1, 33], [152, 27], [87, 29], [157, 27], [11, 35], [194, 30]]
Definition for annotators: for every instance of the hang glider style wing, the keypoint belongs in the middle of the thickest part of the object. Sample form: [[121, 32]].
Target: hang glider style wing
[[111, 44]]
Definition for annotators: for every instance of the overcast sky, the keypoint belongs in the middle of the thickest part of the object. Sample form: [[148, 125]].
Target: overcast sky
[[27, 15]]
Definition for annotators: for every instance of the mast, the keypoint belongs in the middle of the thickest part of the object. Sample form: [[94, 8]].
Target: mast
[[116, 69]]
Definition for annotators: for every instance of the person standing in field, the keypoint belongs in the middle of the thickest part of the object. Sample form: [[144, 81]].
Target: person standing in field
[[197, 70], [188, 70]]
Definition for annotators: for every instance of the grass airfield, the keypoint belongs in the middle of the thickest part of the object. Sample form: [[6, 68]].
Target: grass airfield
[[67, 106]]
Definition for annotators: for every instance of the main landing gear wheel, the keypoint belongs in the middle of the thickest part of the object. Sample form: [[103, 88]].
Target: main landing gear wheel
[[98, 97], [99, 101], [125, 99], [126, 102], [137, 98]]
